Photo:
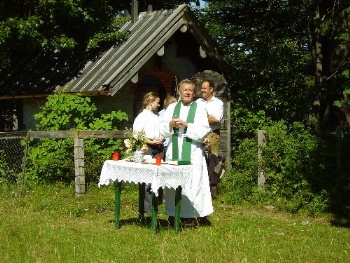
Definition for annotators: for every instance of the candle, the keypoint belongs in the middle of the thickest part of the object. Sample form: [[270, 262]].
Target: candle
[[115, 156], [158, 160]]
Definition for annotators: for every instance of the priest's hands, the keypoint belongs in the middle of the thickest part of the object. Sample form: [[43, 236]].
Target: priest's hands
[[177, 123]]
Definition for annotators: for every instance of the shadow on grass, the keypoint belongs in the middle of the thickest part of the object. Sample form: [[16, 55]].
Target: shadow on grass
[[340, 221], [164, 223]]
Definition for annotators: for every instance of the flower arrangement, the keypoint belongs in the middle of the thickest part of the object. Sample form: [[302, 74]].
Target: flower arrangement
[[136, 141]]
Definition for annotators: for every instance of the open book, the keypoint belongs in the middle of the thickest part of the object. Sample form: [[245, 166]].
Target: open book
[[179, 162]]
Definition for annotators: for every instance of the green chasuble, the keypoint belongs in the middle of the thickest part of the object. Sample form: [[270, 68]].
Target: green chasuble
[[186, 145]]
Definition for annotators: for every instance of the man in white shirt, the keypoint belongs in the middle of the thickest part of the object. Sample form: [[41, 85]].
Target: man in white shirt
[[215, 110]]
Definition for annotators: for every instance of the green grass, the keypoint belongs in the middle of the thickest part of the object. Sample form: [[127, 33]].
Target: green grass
[[51, 224]]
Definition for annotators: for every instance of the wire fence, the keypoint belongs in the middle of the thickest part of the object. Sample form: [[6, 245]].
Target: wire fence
[[61, 154], [11, 155]]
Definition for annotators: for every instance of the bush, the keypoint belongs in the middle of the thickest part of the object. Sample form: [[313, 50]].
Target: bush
[[291, 163], [239, 185], [52, 160]]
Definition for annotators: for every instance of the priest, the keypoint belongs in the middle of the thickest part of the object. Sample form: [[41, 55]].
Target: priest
[[186, 124]]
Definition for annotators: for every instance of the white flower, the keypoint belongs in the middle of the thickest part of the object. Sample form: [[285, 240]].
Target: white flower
[[136, 141]]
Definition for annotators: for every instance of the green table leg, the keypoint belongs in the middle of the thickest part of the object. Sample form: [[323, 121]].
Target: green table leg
[[118, 187], [154, 213], [142, 202], [177, 209]]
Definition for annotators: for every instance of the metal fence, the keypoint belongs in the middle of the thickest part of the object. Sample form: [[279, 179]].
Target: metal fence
[[11, 155], [15, 145]]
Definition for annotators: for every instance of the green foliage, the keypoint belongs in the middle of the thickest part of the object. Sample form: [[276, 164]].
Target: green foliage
[[56, 28], [271, 46], [246, 123], [270, 61], [241, 181], [344, 80], [288, 162], [53, 159], [64, 111], [291, 161]]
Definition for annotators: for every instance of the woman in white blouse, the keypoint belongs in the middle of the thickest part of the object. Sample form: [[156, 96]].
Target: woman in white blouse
[[148, 121]]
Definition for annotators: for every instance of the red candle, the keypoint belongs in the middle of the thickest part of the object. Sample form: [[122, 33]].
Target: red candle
[[158, 160], [115, 156]]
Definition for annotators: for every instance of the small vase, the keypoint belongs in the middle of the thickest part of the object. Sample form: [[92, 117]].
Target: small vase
[[138, 156]]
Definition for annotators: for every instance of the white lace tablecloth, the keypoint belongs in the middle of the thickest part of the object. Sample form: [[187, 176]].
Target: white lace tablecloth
[[165, 175]]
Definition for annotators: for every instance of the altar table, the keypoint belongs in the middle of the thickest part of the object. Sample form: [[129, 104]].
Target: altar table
[[165, 175]]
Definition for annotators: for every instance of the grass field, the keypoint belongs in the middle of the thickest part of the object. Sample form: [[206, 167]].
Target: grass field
[[51, 224]]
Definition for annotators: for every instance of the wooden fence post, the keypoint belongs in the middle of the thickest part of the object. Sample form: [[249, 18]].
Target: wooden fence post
[[261, 144], [80, 188]]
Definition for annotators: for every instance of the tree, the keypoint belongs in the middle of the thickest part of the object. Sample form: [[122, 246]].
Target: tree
[[53, 29], [61, 29], [267, 44], [331, 48], [291, 62], [290, 58]]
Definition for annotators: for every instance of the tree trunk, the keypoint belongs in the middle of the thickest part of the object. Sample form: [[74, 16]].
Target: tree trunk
[[318, 61]]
